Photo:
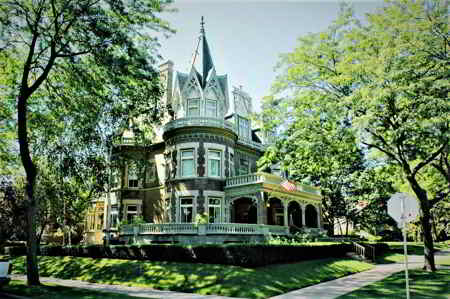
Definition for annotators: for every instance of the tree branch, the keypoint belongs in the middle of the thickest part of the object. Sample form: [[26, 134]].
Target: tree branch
[[427, 161]]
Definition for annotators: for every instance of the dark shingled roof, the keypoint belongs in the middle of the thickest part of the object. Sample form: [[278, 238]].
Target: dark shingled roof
[[223, 82], [182, 78]]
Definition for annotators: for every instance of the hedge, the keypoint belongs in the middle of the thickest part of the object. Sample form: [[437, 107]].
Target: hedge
[[247, 255]]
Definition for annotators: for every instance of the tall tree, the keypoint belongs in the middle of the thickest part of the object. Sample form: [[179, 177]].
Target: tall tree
[[386, 83], [93, 53], [316, 142], [400, 61]]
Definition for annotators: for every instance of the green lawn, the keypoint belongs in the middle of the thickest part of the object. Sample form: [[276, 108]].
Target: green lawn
[[395, 254], [197, 278], [53, 291], [422, 285]]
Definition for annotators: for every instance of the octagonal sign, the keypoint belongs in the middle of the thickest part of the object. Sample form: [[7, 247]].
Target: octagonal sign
[[403, 208]]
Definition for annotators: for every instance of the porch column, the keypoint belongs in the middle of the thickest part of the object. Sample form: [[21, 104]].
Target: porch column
[[285, 208], [319, 224], [263, 209], [259, 211], [303, 208]]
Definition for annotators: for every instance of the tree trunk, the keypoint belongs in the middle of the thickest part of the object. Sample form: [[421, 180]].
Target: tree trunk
[[32, 203], [32, 245], [425, 218]]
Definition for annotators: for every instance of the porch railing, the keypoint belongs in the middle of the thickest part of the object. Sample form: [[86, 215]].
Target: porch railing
[[203, 229], [366, 252], [260, 177], [252, 144], [244, 179]]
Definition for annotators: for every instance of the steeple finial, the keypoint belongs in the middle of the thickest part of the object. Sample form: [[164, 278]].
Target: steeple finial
[[202, 26]]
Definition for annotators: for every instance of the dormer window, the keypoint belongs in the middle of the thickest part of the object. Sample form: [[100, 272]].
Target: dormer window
[[211, 108], [193, 108], [244, 128], [132, 176]]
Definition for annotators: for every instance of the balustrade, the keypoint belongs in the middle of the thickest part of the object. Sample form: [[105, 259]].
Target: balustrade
[[266, 178], [199, 121], [211, 229]]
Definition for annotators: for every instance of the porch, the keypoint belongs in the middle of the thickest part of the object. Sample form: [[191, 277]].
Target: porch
[[202, 233], [260, 198]]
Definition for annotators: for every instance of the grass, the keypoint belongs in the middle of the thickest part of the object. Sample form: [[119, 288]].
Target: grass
[[204, 279], [395, 254], [422, 285], [48, 290]]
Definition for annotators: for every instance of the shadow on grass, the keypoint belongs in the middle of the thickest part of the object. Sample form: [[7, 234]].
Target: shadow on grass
[[56, 292], [205, 279], [422, 285]]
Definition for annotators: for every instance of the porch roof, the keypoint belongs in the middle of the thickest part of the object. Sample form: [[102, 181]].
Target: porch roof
[[260, 181]]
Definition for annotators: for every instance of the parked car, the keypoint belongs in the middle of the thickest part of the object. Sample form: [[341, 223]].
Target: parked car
[[5, 270]]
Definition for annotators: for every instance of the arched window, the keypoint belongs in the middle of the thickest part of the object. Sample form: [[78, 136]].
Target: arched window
[[311, 216]]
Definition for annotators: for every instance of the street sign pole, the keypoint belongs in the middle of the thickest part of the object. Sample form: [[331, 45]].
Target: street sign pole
[[405, 248]]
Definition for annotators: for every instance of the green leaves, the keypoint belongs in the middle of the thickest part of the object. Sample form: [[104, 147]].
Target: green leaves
[[355, 98]]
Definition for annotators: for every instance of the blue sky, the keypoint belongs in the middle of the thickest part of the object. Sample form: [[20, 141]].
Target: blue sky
[[246, 37]]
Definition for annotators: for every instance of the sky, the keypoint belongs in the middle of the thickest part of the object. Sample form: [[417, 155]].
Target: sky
[[246, 37]]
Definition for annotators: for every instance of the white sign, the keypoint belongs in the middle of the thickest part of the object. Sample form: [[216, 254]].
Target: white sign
[[403, 208]]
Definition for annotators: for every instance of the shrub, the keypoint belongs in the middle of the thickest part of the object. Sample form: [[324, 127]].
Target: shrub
[[15, 250], [246, 255]]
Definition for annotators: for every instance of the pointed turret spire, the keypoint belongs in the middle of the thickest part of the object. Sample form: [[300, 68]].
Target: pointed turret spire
[[207, 63]]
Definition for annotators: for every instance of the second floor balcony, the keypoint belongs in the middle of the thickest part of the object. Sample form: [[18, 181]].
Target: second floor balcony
[[199, 121]]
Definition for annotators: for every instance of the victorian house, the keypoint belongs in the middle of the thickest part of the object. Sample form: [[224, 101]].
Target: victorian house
[[198, 180]]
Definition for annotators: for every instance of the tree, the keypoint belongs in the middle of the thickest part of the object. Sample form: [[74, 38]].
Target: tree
[[400, 61], [93, 53], [386, 82], [316, 142]]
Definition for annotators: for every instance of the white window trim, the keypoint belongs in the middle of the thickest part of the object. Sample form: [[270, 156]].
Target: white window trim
[[220, 206], [182, 206], [220, 158], [186, 146], [215, 147], [135, 213], [216, 194], [247, 135], [188, 193], [206, 107], [199, 100], [128, 176], [193, 162]]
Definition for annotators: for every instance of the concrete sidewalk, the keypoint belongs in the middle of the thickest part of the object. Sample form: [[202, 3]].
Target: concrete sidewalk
[[341, 286], [131, 291], [347, 284]]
